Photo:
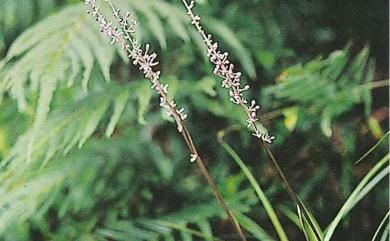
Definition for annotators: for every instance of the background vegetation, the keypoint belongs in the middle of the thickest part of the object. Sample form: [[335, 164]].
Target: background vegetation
[[86, 153]]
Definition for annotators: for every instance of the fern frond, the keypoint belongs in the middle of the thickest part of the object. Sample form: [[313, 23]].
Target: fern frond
[[65, 128], [182, 221], [15, 14], [50, 53], [20, 202], [53, 52], [33, 193], [327, 87]]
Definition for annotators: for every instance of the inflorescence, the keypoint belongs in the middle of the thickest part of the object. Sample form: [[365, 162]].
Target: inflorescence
[[124, 36], [231, 79]]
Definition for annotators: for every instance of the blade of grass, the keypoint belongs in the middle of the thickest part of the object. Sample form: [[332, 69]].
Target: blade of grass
[[290, 215], [370, 185], [259, 192], [185, 229], [386, 218], [253, 228], [351, 201], [293, 194], [385, 235], [313, 231], [314, 227], [302, 223], [373, 148], [297, 220]]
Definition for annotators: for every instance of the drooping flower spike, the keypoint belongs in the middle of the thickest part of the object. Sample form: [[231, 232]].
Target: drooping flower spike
[[146, 62], [123, 35], [231, 79]]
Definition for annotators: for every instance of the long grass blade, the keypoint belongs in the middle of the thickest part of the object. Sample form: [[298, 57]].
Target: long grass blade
[[373, 148], [312, 222], [294, 195], [253, 228], [295, 219], [385, 235], [352, 200], [370, 185], [384, 220], [185, 229], [302, 222], [259, 192]]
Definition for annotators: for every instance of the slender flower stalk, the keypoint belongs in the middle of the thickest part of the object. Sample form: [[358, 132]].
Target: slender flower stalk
[[231, 79], [124, 37]]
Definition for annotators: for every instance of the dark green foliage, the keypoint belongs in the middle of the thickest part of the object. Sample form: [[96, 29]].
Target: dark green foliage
[[325, 88], [86, 153]]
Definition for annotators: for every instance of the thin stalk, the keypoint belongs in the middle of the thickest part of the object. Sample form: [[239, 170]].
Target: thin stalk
[[203, 170], [375, 84], [231, 81], [293, 194], [260, 193], [146, 62]]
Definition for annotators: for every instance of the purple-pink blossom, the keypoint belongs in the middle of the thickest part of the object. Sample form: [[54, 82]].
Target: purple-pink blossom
[[230, 78], [146, 61]]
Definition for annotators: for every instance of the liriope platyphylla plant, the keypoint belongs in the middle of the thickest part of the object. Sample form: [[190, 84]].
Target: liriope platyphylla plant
[[231, 79], [122, 33]]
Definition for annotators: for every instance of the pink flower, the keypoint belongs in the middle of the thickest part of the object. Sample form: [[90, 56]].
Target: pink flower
[[230, 79], [123, 35]]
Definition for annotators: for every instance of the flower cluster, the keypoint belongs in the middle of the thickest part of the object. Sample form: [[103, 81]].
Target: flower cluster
[[231, 79], [146, 62], [113, 33], [123, 35]]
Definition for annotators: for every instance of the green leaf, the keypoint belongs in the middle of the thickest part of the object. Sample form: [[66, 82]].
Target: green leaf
[[366, 184], [119, 106], [259, 192], [51, 52], [93, 120], [306, 226], [373, 148], [380, 227], [375, 127], [325, 88], [252, 227], [144, 96], [266, 58], [291, 117]]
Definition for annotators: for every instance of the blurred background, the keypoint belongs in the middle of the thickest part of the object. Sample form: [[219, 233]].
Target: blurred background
[[86, 153]]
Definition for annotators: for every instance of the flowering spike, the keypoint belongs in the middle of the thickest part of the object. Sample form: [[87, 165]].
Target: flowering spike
[[230, 80], [142, 58], [146, 62]]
